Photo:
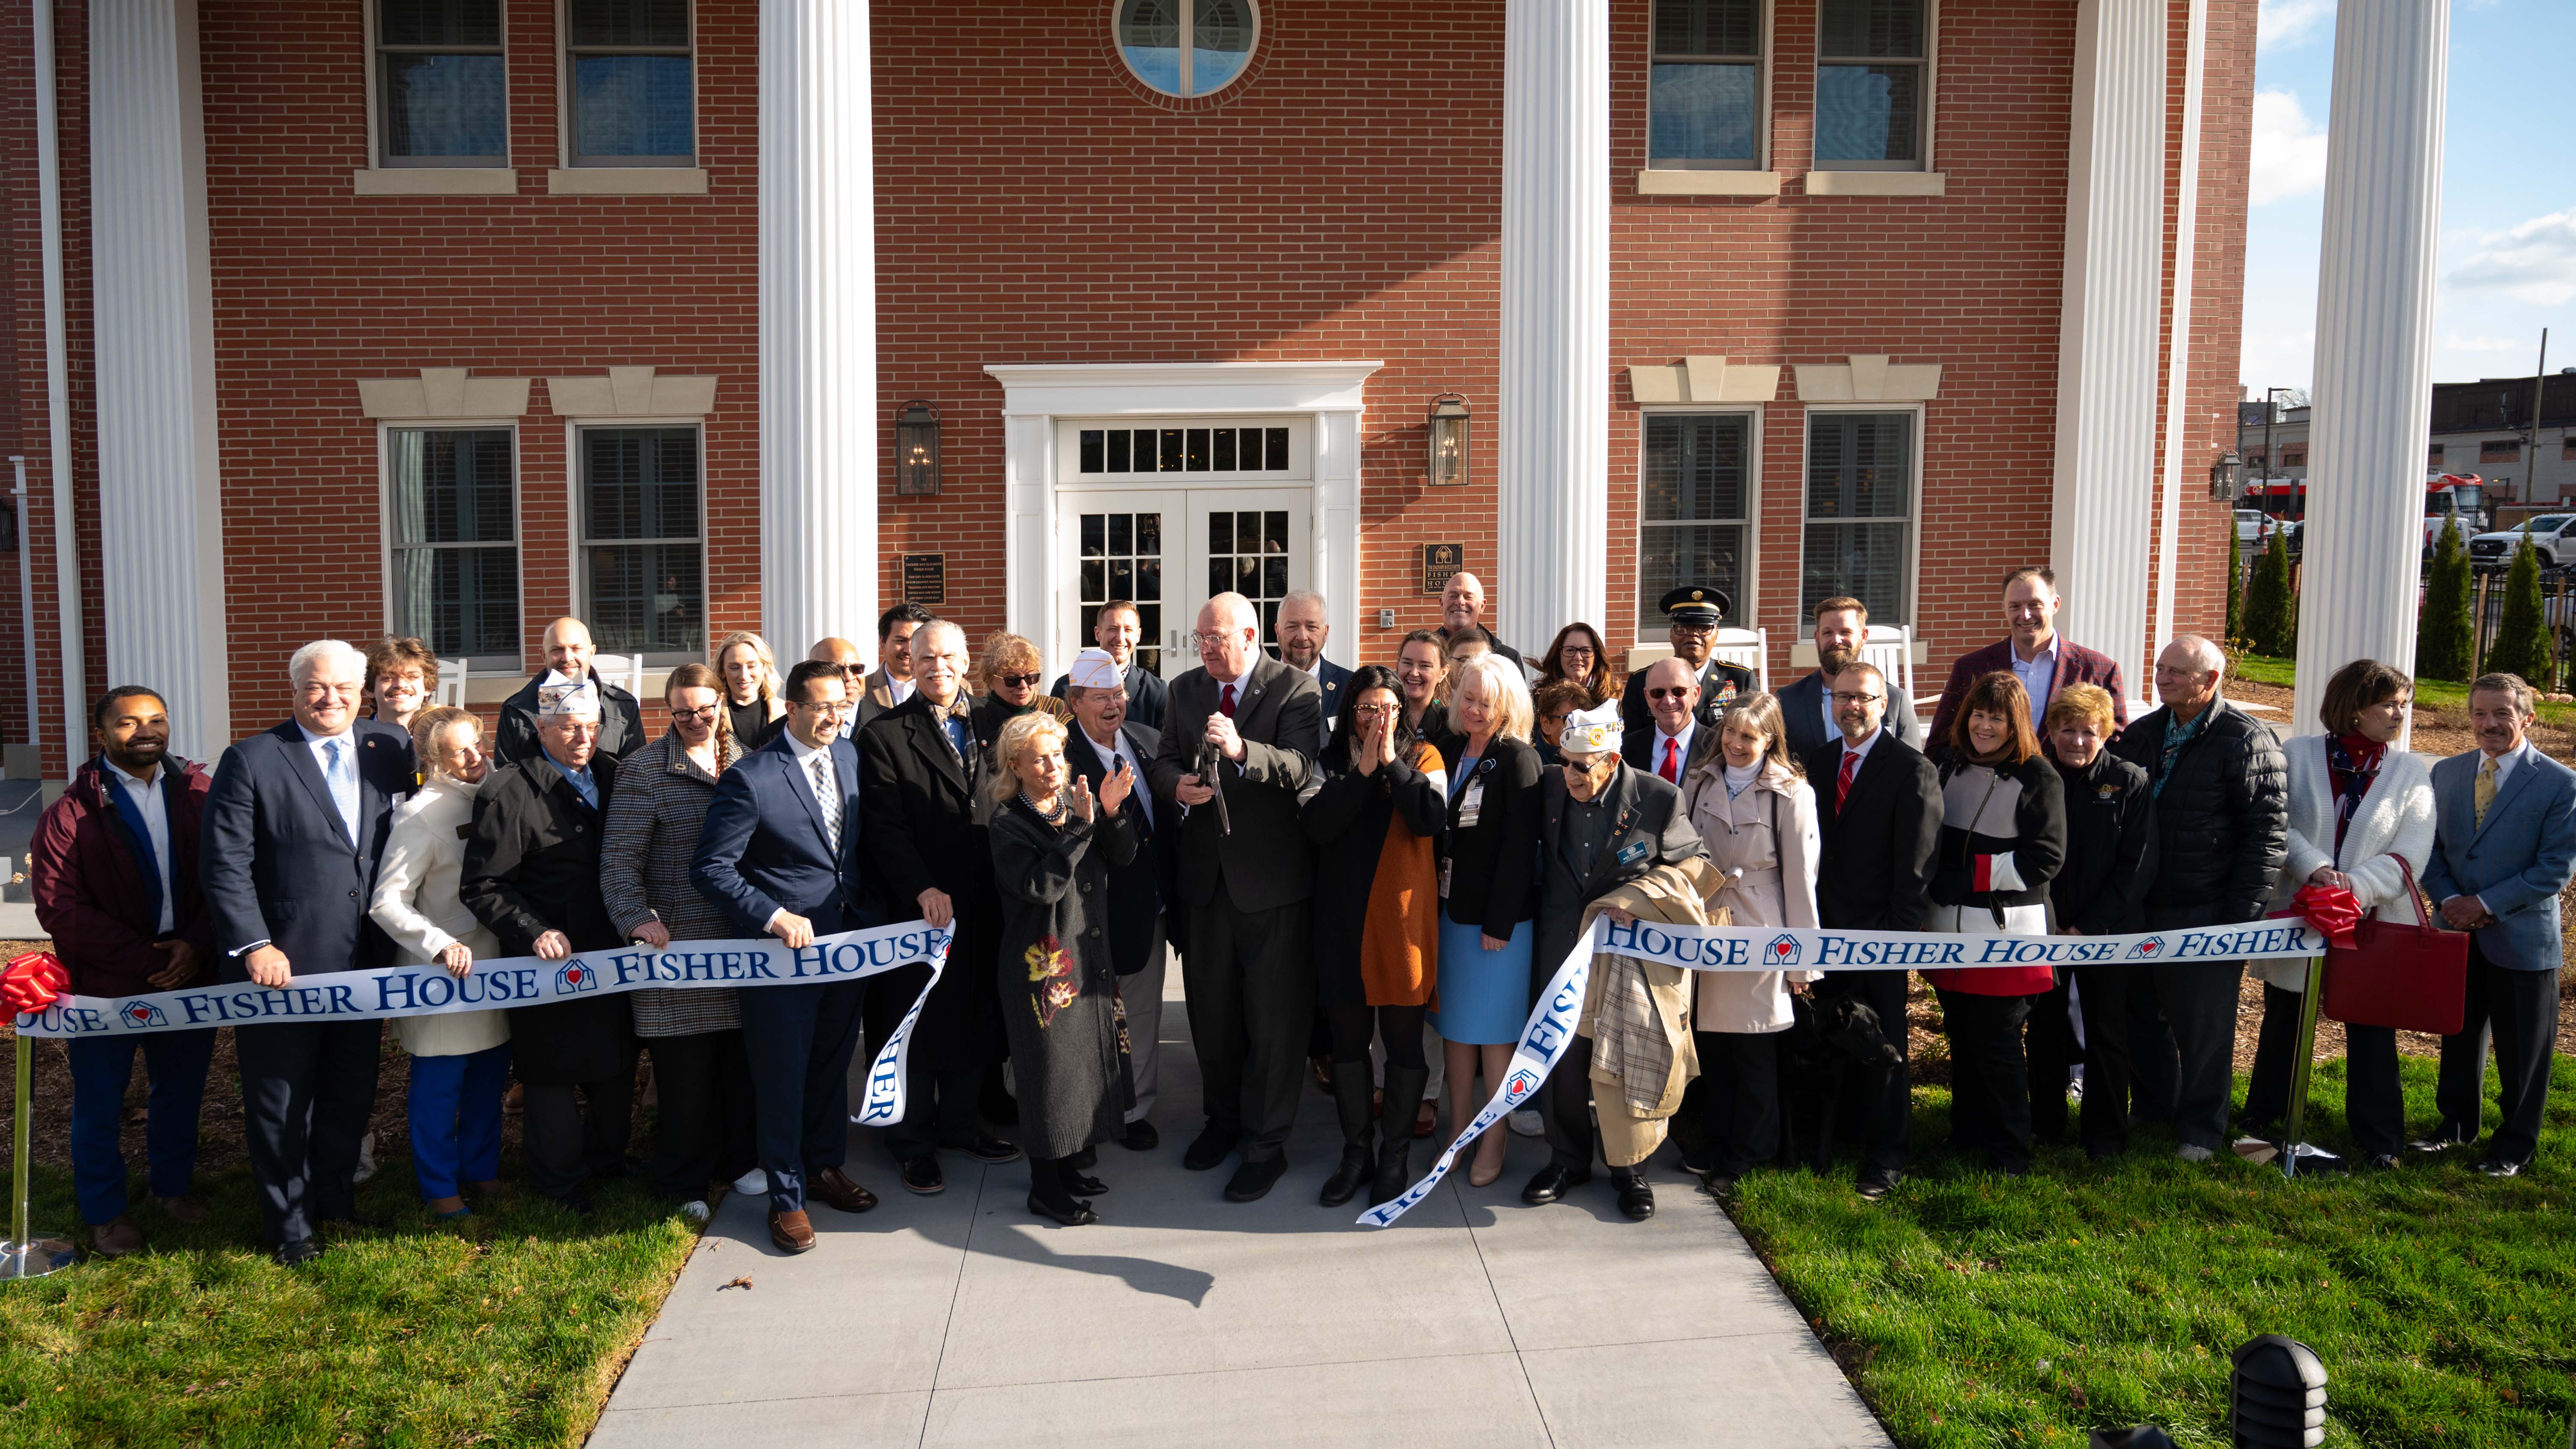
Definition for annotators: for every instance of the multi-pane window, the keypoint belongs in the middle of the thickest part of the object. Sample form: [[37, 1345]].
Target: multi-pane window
[[1248, 554], [1122, 558], [631, 82], [1692, 507], [454, 502], [2500, 450], [1706, 106], [442, 94], [1184, 450], [643, 562], [2433, 456], [1873, 85], [1860, 513], [1186, 47], [2294, 455]]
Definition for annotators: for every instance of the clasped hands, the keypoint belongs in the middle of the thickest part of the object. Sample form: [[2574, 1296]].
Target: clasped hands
[[1194, 791]]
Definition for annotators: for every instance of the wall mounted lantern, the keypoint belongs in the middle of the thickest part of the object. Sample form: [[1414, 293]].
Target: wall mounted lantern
[[2222, 477], [916, 450], [1448, 462]]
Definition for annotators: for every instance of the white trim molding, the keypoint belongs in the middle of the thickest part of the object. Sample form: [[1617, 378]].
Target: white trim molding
[[1878, 183], [1035, 395], [626, 181], [442, 393], [436, 181], [1702, 379], [632, 392], [1678, 182], [1868, 377]]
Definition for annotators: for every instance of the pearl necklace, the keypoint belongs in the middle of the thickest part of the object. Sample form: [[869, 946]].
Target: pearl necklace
[[1056, 817]]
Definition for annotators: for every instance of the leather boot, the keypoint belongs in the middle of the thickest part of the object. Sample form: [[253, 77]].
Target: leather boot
[[1351, 1092], [1404, 1087]]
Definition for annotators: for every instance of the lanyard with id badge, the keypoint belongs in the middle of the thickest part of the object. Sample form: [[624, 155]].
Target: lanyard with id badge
[[1471, 808]]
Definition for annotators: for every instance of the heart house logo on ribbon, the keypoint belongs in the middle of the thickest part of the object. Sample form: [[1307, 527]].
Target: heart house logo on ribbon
[[142, 1013], [1520, 1084], [576, 976], [1783, 952], [2149, 949]]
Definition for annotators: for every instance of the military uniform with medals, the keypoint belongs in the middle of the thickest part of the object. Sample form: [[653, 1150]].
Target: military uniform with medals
[[1720, 683]]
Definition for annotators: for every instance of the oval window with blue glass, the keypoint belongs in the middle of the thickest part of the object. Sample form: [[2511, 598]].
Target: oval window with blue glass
[[1187, 47]]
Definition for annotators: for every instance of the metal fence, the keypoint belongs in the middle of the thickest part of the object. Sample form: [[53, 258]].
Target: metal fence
[[2486, 607]]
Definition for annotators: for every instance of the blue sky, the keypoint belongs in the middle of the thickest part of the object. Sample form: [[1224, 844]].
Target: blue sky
[[2508, 262]]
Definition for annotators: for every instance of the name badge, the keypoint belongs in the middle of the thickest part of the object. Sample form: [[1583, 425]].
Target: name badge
[[1632, 852], [1471, 805]]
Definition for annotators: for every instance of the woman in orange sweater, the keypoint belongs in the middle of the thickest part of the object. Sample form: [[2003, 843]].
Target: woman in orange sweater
[[1377, 815]]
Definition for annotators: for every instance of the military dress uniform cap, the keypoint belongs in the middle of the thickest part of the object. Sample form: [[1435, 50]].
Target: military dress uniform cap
[[1695, 604]]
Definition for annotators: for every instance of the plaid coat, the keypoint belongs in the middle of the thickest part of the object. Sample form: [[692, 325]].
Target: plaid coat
[[652, 834]]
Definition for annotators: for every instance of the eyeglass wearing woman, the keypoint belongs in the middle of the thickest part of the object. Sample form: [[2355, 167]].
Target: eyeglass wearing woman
[[1577, 655]]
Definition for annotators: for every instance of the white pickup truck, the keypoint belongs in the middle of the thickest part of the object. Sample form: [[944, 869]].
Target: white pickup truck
[[2554, 534]]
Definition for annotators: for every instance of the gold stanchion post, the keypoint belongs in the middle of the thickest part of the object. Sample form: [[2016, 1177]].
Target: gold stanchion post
[[24, 1255], [2294, 1135]]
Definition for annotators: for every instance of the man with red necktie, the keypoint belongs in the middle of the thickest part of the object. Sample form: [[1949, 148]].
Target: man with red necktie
[[1673, 739]]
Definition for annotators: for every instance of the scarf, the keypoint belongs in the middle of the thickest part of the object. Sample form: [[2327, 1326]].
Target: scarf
[[2178, 733], [2352, 761]]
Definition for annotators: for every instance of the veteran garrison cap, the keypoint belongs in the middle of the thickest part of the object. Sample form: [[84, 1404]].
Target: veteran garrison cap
[[1695, 604]]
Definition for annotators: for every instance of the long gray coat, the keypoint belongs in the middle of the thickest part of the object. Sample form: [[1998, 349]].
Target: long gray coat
[[1059, 978]]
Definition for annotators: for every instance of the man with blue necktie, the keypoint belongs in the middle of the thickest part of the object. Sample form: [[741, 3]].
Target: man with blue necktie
[[1144, 899], [295, 827]]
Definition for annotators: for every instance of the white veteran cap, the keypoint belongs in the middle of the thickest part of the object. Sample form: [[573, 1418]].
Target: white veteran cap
[[1591, 731], [1094, 669]]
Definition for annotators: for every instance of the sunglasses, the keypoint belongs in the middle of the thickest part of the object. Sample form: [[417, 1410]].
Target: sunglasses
[[1681, 693], [1017, 681]]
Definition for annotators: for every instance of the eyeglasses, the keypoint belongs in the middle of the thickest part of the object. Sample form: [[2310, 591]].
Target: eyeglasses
[[1371, 711], [1017, 681], [1213, 638], [699, 715], [1842, 698], [1694, 628], [833, 708], [1682, 693]]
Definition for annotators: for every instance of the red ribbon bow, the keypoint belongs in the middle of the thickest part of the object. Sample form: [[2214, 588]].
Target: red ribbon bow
[[31, 982], [2331, 910]]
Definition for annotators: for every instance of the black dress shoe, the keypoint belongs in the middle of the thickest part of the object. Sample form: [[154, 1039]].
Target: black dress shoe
[[1876, 1185], [2381, 1162], [297, 1253], [1636, 1196], [1081, 1186], [921, 1175], [1210, 1148], [2440, 1139], [1553, 1182], [2498, 1167], [1141, 1137], [1718, 1185], [1254, 1180], [988, 1148], [1077, 1217]]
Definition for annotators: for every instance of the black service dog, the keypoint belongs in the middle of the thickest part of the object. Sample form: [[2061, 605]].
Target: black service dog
[[1826, 1044]]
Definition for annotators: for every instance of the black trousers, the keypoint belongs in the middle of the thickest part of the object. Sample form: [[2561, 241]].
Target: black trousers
[[2182, 1019], [571, 1133], [1739, 1098], [703, 1127], [2276, 1058], [308, 1089], [2519, 1010], [1565, 1106], [1880, 1101], [1250, 976], [2101, 996], [800, 1040], [1989, 1077]]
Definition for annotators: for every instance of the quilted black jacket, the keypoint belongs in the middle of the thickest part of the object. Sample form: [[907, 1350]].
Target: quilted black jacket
[[2222, 819]]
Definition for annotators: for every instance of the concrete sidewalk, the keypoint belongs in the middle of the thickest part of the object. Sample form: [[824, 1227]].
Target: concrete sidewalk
[[1182, 1319]]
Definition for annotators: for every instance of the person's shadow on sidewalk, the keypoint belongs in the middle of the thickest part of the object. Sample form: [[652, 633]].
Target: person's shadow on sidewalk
[[1144, 1275]]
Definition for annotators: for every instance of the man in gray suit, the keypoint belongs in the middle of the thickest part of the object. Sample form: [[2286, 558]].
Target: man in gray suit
[[1234, 763], [2504, 847], [1807, 707]]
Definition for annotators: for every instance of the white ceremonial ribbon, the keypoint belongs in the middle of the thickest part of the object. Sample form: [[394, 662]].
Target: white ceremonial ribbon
[[508, 981], [1808, 948]]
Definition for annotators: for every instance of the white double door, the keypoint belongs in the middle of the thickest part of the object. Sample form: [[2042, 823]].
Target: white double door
[[1168, 551]]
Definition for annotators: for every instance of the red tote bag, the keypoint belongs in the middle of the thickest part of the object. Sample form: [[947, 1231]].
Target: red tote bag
[[2412, 977]]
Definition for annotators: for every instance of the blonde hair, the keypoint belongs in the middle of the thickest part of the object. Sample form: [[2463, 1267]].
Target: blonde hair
[[759, 650], [1761, 712], [1007, 653], [429, 731], [1018, 738], [2082, 701], [1507, 694]]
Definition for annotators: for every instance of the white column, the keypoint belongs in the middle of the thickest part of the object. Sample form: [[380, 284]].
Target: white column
[[1553, 460], [2104, 498], [819, 570], [2180, 467], [160, 487], [2374, 364]]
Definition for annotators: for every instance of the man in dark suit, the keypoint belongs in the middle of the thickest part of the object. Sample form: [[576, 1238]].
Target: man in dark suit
[[531, 875], [295, 826], [1117, 632], [2044, 660], [923, 802], [1602, 824], [1243, 723], [892, 683], [2505, 846], [1140, 923], [1462, 606], [1878, 823], [1694, 613], [780, 853], [1674, 740], [568, 655], [844, 656], [1807, 707], [1303, 633]]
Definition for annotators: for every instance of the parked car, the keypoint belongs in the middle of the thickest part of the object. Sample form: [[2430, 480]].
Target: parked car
[[2554, 534], [2254, 528]]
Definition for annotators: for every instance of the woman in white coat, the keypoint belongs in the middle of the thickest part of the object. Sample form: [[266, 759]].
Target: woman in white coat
[[1757, 815], [2358, 804], [460, 1061]]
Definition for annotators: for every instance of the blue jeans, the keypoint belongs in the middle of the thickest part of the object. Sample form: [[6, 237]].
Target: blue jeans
[[176, 1063], [456, 1119]]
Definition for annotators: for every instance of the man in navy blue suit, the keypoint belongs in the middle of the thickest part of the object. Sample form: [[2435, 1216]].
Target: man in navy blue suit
[[295, 826], [779, 852], [1302, 634]]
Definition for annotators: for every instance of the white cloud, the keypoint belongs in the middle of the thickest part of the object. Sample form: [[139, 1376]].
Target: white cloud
[[2534, 261], [2287, 23], [2289, 149]]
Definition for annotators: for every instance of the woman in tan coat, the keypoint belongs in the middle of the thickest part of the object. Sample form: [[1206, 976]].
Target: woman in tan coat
[[1757, 815]]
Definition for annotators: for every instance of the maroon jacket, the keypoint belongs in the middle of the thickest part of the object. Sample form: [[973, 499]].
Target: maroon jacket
[[2075, 665], [89, 887]]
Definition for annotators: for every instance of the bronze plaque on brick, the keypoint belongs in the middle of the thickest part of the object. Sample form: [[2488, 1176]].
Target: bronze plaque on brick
[[925, 578], [1440, 563]]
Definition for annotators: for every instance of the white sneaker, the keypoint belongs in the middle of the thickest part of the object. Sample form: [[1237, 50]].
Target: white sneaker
[[695, 1209], [754, 1183], [366, 1158], [1527, 1124], [2193, 1152]]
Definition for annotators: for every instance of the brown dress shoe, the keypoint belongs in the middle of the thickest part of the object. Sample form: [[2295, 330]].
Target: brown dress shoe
[[183, 1209], [792, 1232], [834, 1187], [116, 1237]]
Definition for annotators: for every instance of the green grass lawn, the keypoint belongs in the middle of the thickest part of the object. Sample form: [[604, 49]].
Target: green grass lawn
[[2431, 693], [510, 1332], [1976, 1310]]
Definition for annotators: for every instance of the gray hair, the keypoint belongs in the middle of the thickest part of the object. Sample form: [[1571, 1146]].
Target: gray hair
[[2203, 653], [304, 660], [1300, 596], [2507, 684], [939, 626]]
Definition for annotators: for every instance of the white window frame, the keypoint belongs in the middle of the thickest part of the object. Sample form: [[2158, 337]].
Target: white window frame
[[1301, 453], [387, 547], [1743, 615], [1189, 18], [1913, 512], [1928, 90], [565, 146], [577, 525], [373, 64], [1762, 90]]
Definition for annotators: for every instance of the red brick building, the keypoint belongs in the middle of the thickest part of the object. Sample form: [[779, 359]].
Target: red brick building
[[340, 317]]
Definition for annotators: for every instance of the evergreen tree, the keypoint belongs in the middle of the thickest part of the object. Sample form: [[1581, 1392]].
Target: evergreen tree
[[2271, 609], [2442, 627], [2235, 584], [2522, 638]]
